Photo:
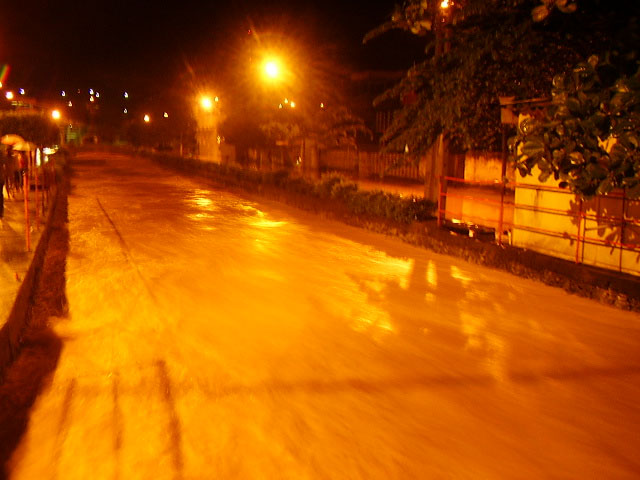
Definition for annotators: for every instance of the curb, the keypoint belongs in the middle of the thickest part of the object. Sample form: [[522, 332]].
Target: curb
[[20, 314]]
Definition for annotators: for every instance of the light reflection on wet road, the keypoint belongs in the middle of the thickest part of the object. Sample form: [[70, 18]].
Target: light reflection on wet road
[[215, 337]]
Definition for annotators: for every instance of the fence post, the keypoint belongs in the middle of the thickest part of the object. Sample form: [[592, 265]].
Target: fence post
[[622, 225], [579, 236], [440, 189], [35, 195], [25, 191], [501, 219]]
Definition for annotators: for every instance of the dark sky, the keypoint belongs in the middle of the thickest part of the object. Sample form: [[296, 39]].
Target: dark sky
[[61, 44]]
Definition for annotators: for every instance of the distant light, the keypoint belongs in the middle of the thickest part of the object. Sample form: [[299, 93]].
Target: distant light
[[55, 114], [126, 111], [206, 103], [79, 91], [216, 99], [219, 140], [280, 106], [286, 100], [444, 4], [49, 151], [91, 91], [22, 91], [70, 104], [0, 84], [147, 118], [293, 104], [272, 69], [38, 158], [97, 94], [63, 93], [9, 95], [165, 115], [91, 99], [126, 95], [322, 105]]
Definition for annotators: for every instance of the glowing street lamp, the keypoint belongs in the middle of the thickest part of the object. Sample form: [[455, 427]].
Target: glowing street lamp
[[272, 69], [56, 114], [206, 103], [9, 95], [146, 118]]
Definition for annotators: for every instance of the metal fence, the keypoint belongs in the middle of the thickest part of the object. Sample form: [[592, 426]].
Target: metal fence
[[602, 231]]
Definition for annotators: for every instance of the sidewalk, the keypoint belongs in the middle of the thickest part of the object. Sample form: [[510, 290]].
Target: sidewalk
[[18, 269], [14, 257]]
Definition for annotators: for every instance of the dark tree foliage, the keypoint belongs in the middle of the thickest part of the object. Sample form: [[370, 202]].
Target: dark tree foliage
[[34, 127], [589, 139], [478, 50]]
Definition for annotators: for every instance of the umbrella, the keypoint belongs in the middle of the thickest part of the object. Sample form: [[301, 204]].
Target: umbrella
[[11, 139], [24, 146]]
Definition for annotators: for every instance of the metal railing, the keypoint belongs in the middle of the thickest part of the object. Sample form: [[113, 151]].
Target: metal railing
[[490, 201]]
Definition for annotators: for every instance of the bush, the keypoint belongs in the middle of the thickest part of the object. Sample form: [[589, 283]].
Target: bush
[[331, 187]]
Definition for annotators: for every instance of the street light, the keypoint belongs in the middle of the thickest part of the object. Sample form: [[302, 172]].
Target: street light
[[146, 118], [206, 103], [55, 114], [272, 69]]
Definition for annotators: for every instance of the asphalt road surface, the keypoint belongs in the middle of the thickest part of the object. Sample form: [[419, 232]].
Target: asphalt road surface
[[214, 337]]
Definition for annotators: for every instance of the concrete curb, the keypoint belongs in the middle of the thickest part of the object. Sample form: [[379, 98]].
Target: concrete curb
[[20, 314]]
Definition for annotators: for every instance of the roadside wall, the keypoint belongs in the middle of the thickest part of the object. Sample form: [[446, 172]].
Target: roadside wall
[[485, 167], [555, 222]]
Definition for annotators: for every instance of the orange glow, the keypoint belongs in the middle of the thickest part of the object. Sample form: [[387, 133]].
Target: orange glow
[[9, 95], [272, 69], [55, 115], [147, 118], [445, 4], [206, 103]]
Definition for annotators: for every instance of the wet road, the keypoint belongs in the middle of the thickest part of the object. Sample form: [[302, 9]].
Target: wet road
[[210, 336]]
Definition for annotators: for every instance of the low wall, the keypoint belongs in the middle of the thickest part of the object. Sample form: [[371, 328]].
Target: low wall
[[555, 222], [485, 167]]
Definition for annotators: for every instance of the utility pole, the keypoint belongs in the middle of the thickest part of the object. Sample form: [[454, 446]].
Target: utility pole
[[435, 162]]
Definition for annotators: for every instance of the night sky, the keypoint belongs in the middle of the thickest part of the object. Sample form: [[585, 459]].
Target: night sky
[[63, 44]]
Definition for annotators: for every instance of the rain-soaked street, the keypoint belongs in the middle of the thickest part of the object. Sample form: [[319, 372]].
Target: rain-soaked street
[[215, 337]]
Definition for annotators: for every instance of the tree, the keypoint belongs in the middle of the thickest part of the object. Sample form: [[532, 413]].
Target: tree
[[477, 50], [589, 139], [33, 126]]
